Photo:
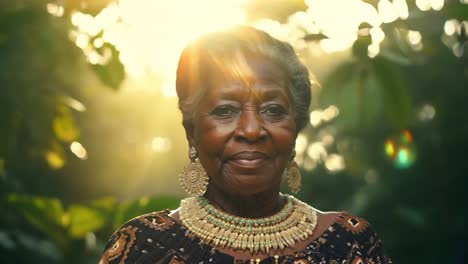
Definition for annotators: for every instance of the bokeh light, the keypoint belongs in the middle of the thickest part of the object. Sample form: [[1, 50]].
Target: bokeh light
[[341, 28], [402, 8], [73, 103], [78, 149], [301, 143], [401, 150], [54, 159], [317, 152], [414, 38], [328, 140], [161, 144], [340, 25], [426, 112], [315, 117], [55, 10], [335, 163], [330, 113], [371, 176], [426, 5], [450, 27], [454, 36], [318, 116], [388, 12]]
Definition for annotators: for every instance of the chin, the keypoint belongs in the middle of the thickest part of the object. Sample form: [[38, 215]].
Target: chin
[[249, 184]]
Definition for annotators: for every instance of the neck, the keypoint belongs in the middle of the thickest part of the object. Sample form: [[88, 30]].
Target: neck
[[256, 205]]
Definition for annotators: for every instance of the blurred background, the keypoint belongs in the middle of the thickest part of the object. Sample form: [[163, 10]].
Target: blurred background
[[90, 134]]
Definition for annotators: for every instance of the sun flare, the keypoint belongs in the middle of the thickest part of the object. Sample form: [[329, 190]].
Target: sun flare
[[151, 34]]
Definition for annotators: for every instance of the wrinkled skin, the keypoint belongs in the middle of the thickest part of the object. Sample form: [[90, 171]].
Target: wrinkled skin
[[244, 134]]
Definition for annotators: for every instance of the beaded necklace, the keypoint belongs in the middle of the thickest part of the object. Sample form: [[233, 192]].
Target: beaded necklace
[[293, 223]]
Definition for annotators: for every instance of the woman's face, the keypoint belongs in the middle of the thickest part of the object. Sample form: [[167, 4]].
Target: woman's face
[[245, 130]]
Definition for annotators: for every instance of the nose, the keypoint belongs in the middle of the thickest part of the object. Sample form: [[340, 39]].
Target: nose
[[250, 126]]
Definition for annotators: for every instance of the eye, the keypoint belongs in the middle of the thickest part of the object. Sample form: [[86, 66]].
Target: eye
[[275, 111], [225, 111]]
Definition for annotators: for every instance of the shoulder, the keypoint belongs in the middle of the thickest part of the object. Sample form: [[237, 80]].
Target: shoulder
[[347, 222], [355, 236], [351, 223], [129, 242]]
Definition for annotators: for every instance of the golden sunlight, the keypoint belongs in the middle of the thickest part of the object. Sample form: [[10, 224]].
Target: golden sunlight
[[161, 144], [341, 24], [339, 20], [151, 34]]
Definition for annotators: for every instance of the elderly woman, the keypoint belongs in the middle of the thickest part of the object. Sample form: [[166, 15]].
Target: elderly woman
[[244, 97]]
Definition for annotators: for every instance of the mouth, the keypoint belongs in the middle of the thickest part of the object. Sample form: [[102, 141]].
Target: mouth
[[248, 159]]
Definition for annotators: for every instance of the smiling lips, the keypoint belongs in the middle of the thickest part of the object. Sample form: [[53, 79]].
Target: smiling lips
[[248, 159]]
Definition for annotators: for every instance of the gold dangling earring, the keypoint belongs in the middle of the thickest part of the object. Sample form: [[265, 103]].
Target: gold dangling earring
[[293, 174], [193, 178]]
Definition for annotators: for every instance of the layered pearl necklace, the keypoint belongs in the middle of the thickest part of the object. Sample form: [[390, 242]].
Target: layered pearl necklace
[[294, 223]]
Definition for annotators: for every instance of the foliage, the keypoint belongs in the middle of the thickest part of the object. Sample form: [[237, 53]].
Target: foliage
[[40, 73], [380, 97], [77, 233]]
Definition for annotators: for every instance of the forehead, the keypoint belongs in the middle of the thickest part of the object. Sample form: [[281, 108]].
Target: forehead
[[254, 73]]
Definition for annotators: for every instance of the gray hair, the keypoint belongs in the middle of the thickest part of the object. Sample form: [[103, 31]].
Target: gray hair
[[216, 50]]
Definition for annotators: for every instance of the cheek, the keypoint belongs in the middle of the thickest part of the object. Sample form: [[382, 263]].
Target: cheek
[[210, 141], [283, 137], [210, 137], [284, 145]]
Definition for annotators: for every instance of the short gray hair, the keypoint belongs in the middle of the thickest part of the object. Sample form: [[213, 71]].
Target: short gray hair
[[215, 49]]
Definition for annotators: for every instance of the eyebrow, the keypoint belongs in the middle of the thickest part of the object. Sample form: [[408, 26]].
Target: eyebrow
[[268, 93]]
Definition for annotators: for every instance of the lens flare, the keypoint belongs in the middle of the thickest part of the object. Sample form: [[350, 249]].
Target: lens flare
[[401, 150], [405, 158], [390, 148], [406, 137]]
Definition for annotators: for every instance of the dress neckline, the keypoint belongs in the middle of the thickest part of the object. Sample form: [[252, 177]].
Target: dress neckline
[[314, 241]]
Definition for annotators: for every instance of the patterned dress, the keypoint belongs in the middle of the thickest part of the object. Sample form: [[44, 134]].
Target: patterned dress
[[158, 238]]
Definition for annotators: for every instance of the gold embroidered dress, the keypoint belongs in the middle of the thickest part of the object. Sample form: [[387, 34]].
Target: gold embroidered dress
[[158, 238]]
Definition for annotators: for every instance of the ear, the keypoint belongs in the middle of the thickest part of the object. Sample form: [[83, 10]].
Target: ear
[[189, 132]]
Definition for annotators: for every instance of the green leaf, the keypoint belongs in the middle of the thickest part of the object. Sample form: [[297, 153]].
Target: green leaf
[[335, 82], [314, 37], [64, 125], [40, 209], [55, 155], [338, 90], [372, 99], [360, 47], [396, 57], [397, 100], [354, 89], [107, 209], [113, 73], [45, 214], [83, 220], [129, 210], [106, 204]]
